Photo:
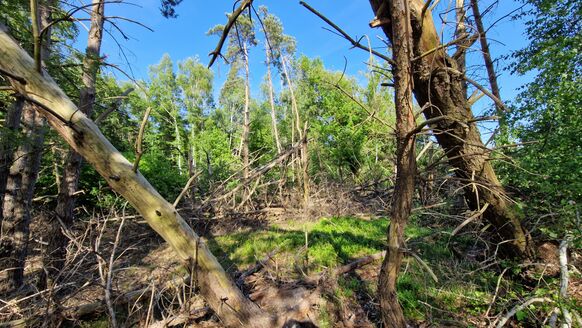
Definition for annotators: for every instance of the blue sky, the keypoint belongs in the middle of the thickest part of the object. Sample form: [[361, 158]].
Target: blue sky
[[185, 36]]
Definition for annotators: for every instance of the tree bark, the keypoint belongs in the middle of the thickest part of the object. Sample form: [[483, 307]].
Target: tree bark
[[23, 171], [17, 199], [438, 90], [7, 145], [392, 314], [56, 253], [84, 136]]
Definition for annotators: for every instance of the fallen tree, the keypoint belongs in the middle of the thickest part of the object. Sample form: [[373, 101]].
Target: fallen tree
[[81, 133]]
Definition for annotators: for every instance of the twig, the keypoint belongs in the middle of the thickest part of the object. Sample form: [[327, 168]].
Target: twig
[[138, 141], [470, 219], [186, 187], [115, 105], [354, 43], [520, 307]]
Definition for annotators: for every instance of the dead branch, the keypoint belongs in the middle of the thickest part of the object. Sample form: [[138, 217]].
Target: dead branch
[[346, 36], [138, 142], [114, 106], [231, 20]]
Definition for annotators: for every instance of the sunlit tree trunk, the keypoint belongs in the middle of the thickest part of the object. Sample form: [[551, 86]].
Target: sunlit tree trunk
[[461, 34], [392, 314], [272, 100], [438, 90], [55, 256], [246, 116]]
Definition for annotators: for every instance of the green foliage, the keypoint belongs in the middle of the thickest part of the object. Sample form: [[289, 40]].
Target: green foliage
[[546, 114]]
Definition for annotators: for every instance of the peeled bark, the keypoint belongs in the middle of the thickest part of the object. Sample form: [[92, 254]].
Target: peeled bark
[[84, 136], [392, 314], [438, 89], [55, 256]]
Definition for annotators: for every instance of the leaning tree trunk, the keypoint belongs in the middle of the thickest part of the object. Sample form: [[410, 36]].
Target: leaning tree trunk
[[233, 308], [392, 314], [23, 172], [438, 88], [55, 256]]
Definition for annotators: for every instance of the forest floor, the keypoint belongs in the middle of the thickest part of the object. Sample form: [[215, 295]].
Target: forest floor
[[446, 281]]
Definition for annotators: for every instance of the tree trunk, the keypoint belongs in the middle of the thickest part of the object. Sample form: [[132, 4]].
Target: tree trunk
[[303, 154], [461, 34], [486, 54], [56, 253], [392, 314], [85, 137], [23, 171], [439, 92], [272, 101], [17, 199], [7, 145], [246, 117]]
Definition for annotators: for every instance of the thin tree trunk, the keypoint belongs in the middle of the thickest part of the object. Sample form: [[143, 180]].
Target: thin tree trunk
[[222, 295], [392, 314], [461, 33], [56, 253], [438, 90], [303, 154], [272, 102], [486, 53], [23, 172], [246, 116]]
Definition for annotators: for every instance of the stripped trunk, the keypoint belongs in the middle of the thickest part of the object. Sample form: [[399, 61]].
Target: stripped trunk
[[392, 314], [272, 101], [246, 116], [438, 89], [222, 295], [55, 256], [24, 168]]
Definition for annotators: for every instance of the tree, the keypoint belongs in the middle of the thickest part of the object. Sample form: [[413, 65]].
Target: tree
[[195, 82], [23, 171], [392, 314], [56, 252], [242, 37], [84, 136], [438, 88]]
